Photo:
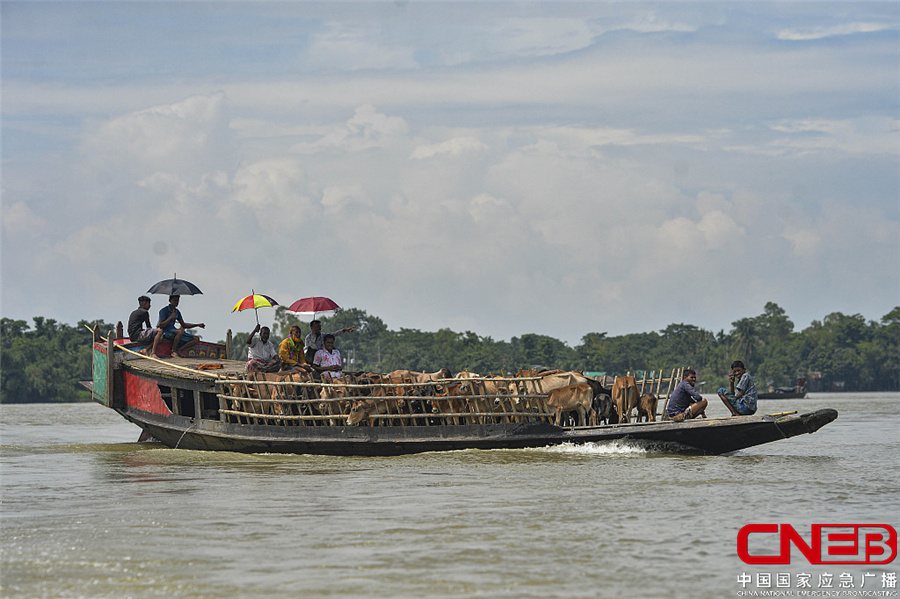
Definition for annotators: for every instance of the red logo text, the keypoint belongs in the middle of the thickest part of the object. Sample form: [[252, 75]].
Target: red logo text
[[828, 544]]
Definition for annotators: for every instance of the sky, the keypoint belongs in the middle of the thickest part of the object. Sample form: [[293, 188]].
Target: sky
[[498, 167]]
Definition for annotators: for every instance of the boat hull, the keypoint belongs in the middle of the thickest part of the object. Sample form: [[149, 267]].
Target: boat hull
[[712, 435]]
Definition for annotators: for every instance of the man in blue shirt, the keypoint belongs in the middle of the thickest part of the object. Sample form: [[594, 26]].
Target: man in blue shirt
[[685, 403], [168, 316], [741, 399]]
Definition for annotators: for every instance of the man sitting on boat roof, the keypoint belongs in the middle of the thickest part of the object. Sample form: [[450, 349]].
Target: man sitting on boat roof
[[262, 356], [291, 351], [315, 340], [167, 318], [685, 403], [137, 333]]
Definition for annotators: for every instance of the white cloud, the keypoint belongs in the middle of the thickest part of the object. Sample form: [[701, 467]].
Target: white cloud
[[806, 243], [452, 147], [340, 201], [275, 191], [651, 22], [540, 37], [355, 47], [185, 140], [804, 34], [857, 136], [20, 220], [719, 230], [367, 129]]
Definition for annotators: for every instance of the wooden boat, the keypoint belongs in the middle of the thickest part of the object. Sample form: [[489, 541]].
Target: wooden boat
[[798, 391], [204, 402], [791, 394]]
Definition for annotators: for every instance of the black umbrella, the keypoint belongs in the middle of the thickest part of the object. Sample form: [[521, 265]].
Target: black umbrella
[[175, 286]]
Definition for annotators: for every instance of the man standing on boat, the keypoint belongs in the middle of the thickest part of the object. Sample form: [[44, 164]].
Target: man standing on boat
[[136, 331], [262, 356], [315, 340], [741, 399], [291, 351], [685, 403], [168, 316]]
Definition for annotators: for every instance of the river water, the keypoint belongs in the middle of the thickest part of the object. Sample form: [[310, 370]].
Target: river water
[[88, 512]]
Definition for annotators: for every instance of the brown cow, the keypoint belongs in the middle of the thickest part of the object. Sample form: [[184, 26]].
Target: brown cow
[[556, 379], [256, 389], [646, 408], [418, 377], [451, 399], [476, 387], [548, 381], [366, 409], [337, 399], [575, 397], [625, 395]]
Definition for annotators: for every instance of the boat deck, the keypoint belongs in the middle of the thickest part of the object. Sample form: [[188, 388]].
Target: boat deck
[[189, 368]]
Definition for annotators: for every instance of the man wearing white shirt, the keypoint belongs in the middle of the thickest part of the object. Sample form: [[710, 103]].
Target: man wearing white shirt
[[262, 355]]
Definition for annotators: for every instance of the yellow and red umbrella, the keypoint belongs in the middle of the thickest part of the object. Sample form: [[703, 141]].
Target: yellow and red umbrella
[[255, 301]]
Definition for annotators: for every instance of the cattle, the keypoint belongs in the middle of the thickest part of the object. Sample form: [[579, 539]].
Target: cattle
[[556, 379], [542, 383], [476, 389], [575, 397], [604, 409], [421, 378], [553, 379], [503, 395], [646, 408], [625, 396], [411, 382], [365, 409], [253, 390], [292, 392], [452, 402]]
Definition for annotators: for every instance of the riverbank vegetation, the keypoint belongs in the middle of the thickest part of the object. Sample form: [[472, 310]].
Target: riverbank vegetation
[[44, 361]]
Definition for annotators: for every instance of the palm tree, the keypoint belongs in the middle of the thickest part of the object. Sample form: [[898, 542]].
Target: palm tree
[[745, 339]]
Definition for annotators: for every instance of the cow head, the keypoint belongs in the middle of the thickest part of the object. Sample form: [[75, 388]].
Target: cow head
[[358, 413]]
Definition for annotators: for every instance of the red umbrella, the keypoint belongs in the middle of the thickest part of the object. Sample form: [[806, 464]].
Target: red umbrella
[[313, 308], [254, 301]]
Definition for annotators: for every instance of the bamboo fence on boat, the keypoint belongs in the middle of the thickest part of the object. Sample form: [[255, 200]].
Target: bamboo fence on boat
[[403, 402], [301, 400]]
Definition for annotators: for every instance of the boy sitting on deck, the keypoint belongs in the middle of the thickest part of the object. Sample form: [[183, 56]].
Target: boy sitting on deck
[[741, 400]]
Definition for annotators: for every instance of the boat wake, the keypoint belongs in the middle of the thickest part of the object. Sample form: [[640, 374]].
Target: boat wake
[[620, 447]]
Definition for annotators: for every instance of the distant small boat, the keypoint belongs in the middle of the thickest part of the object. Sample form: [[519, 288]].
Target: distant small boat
[[798, 391]]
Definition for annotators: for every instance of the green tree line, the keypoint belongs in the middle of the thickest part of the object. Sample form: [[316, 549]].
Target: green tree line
[[43, 363]]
